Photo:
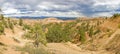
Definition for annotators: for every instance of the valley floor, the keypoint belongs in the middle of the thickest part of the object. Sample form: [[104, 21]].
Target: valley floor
[[68, 48], [55, 48], [11, 40]]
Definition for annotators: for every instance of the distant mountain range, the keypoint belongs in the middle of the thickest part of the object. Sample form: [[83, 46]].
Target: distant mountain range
[[43, 17]]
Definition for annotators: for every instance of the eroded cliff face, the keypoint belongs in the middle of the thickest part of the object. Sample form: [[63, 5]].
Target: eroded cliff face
[[105, 42], [114, 44]]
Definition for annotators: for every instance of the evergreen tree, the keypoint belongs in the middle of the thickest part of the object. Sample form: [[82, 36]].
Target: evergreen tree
[[81, 31], [20, 22], [1, 28], [87, 26], [36, 33], [58, 33], [116, 15], [91, 31], [97, 31]]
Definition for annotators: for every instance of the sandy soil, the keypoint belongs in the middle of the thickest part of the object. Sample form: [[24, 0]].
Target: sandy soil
[[66, 48]]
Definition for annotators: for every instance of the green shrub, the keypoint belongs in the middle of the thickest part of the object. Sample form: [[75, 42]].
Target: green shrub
[[91, 32], [119, 26], [1, 28], [1, 16], [97, 31], [54, 33], [36, 33], [15, 22], [98, 23], [11, 25], [5, 24], [87, 26], [81, 31], [116, 15], [58, 33], [20, 22], [25, 26]]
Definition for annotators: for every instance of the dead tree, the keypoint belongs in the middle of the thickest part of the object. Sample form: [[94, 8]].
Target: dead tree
[[36, 42]]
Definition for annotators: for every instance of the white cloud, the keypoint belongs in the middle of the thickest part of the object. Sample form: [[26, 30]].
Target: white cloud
[[60, 7], [105, 13], [52, 6], [1, 0], [52, 14], [39, 7], [11, 8], [8, 8], [102, 14], [7, 5], [110, 5], [68, 14], [10, 11]]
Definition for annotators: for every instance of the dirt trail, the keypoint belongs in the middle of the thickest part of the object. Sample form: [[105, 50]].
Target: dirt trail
[[9, 40], [56, 48], [11, 51], [62, 48]]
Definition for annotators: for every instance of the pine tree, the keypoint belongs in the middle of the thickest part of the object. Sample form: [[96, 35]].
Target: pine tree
[[58, 33], [81, 31], [1, 28], [20, 22], [91, 31], [36, 33], [39, 34]]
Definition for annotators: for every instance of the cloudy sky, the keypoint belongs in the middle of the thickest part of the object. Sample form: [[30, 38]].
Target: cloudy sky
[[65, 8]]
